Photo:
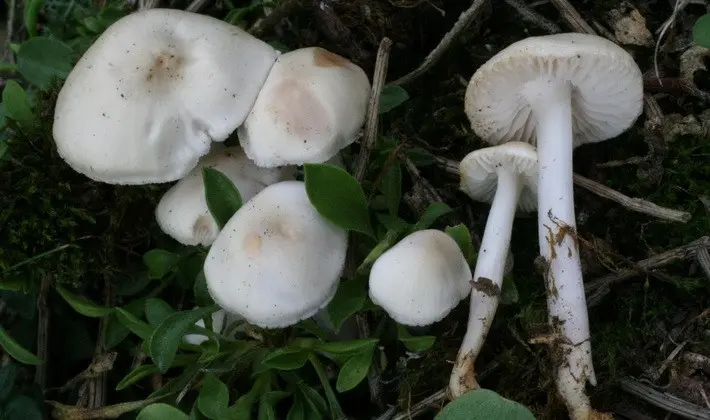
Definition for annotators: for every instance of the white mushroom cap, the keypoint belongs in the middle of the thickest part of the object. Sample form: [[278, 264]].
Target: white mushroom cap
[[157, 87], [420, 279], [607, 88], [183, 213], [480, 168], [312, 105], [276, 261]]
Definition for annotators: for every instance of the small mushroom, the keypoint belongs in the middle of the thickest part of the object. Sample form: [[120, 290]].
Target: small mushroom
[[145, 101], [276, 261], [559, 91], [505, 176], [312, 105], [183, 214], [420, 279]]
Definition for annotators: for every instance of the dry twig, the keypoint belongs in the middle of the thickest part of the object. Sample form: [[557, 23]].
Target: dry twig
[[466, 18], [422, 193], [528, 14], [600, 287], [43, 332], [572, 17], [373, 109], [663, 400], [703, 258]]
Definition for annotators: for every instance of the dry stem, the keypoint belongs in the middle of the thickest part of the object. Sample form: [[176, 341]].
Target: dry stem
[[43, 332], [466, 18], [703, 257], [528, 14], [373, 109], [572, 17], [664, 400], [600, 287]]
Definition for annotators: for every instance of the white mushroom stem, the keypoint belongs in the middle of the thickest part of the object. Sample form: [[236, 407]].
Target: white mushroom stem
[[490, 266], [552, 105]]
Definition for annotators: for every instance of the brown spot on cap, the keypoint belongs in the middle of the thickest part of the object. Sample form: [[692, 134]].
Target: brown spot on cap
[[325, 58]]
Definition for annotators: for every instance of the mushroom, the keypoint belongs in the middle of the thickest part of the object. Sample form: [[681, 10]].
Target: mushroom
[[145, 101], [420, 279], [182, 212], [505, 175], [559, 91], [312, 105], [277, 261]]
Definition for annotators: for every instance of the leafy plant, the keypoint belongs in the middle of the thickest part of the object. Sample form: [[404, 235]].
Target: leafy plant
[[701, 31], [484, 404]]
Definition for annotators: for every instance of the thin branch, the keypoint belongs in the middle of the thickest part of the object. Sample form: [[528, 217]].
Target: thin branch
[[636, 204], [43, 332], [600, 287], [529, 15], [572, 17], [373, 109], [664, 400], [466, 18]]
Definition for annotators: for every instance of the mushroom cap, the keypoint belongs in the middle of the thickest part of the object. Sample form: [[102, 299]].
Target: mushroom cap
[[276, 261], [479, 172], [420, 279], [607, 88], [145, 101], [182, 212], [312, 105]]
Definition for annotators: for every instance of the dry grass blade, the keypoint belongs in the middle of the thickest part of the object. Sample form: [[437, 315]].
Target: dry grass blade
[[663, 400]]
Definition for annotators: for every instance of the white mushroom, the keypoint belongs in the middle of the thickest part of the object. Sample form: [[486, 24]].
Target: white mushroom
[[312, 105], [420, 279], [559, 91], [276, 261], [183, 213], [505, 176], [145, 101]]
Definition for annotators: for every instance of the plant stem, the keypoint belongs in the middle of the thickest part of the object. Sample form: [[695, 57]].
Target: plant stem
[[335, 410], [490, 266], [557, 234]]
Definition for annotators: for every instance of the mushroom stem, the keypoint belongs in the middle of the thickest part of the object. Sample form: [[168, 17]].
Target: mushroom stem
[[487, 280], [552, 105]]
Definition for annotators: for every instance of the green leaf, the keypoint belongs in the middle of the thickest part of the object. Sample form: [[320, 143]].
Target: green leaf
[[338, 197], [347, 347], [297, 410], [391, 187], [17, 103], [484, 404], [267, 404], [166, 338], [509, 295], [137, 327], [116, 332], [22, 407], [430, 215], [136, 375], [156, 310], [414, 344], [242, 407], [336, 411], [16, 351], [286, 358], [8, 374], [385, 243], [354, 371], [82, 305], [701, 31], [223, 198], [213, 400], [348, 300], [462, 236], [161, 411], [317, 404], [391, 97], [31, 11], [41, 60], [160, 262]]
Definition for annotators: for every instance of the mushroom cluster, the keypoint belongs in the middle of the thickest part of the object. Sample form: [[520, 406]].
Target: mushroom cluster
[[554, 92], [154, 100]]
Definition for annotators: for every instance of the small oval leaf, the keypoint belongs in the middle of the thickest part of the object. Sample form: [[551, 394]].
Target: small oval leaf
[[83, 305], [338, 197], [166, 338], [16, 351], [213, 400], [223, 198], [354, 371], [161, 411]]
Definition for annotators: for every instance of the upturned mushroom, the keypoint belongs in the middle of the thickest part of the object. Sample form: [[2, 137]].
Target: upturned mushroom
[[182, 212], [505, 176], [312, 105], [421, 278], [277, 261], [558, 92], [146, 100]]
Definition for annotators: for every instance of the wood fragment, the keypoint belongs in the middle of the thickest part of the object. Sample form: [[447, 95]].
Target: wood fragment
[[466, 19], [664, 400], [572, 17], [369, 141], [529, 15], [703, 258], [598, 288]]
